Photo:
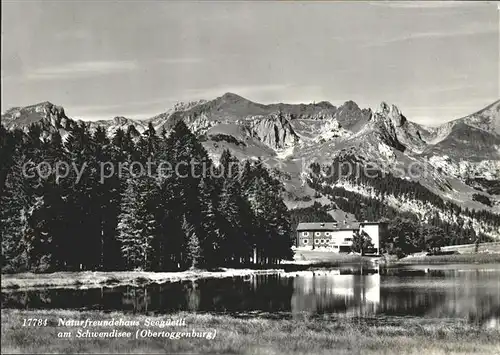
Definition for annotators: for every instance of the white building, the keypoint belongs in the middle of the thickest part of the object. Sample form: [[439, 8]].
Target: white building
[[331, 236]]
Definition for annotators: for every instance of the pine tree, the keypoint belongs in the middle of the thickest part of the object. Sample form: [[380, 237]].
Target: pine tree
[[246, 176], [190, 160], [83, 205], [361, 242], [232, 230], [41, 213], [136, 226], [169, 239], [107, 198], [272, 228], [235, 213], [152, 140], [10, 142], [210, 230], [14, 205], [193, 250]]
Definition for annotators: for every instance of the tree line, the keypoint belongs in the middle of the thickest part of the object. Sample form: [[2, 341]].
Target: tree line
[[135, 221]]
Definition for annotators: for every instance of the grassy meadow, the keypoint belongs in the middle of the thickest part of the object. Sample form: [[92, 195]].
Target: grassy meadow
[[473, 258], [240, 335]]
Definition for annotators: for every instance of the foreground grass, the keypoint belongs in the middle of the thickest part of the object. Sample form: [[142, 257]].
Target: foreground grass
[[480, 258], [254, 336]]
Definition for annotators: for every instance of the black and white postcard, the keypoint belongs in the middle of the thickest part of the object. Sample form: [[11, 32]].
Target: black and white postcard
[[250, 177]]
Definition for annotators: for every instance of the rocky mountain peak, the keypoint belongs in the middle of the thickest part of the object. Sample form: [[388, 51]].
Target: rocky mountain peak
[[404, 132], [350, 105], [393, 113], [184, 106], [120, 120], [351, 116], [487, 119], [274, 130], [384, 122], [384, 108], [325, 104], [229, 97], [44, 113], [46, 108]]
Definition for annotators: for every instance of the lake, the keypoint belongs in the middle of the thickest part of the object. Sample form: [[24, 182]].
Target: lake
[[468, 292]]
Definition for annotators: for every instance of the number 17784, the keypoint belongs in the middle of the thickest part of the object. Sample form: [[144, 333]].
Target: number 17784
[[34, 322]]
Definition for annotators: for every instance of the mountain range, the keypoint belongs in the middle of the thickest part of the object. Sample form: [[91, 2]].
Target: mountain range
[[458, 161]]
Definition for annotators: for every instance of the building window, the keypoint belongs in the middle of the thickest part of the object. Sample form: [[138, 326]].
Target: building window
[[317, 234], [305, 234], [316, 241], [327, 234], [348, 239], [305, 241]]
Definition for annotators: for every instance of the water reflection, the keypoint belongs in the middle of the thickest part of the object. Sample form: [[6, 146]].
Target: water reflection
[[465, 292], [329, 292]]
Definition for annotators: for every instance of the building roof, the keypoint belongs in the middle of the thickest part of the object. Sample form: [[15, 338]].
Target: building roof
[[327, 226], [372, 223], [332, 226]]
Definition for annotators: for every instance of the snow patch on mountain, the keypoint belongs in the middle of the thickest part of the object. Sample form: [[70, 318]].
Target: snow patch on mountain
[[331, 130], [159, 121], [118, 122], [488, 169], [201, 124], [386, 151], [285, 153]]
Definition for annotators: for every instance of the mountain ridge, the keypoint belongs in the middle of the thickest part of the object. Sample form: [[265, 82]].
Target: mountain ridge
[[290, 137], [229, 97]]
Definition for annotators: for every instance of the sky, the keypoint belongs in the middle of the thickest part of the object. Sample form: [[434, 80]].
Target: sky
[[436, 61]]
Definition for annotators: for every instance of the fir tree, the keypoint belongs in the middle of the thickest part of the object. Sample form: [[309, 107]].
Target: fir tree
[[193, 250], [14, 205], [361, 242], [210, 230], [136, 226]]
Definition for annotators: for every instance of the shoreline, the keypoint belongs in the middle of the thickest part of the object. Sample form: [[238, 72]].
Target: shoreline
[[301, 334], [92, 279], [479, 258]]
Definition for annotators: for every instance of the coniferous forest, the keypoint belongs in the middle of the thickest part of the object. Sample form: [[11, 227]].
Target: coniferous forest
[[407, 232], [130, 219], [98, 216]]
